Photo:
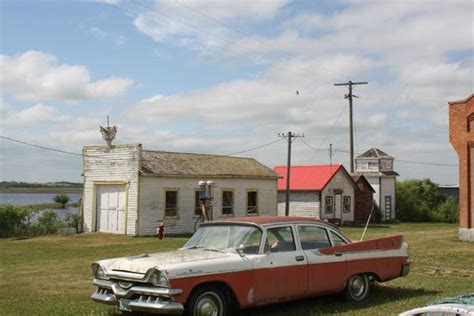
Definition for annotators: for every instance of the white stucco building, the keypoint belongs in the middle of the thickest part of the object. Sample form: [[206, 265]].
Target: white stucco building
[[128, 190], [377, 167]]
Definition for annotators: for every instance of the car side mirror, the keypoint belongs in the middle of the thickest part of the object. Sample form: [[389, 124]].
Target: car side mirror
[[240, 250]]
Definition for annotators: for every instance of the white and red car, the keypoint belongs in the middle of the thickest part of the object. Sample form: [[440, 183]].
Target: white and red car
[[246, 262]]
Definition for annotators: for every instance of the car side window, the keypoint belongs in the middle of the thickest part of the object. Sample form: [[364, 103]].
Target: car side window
[[337, 240], [281, 239], [313, 237]]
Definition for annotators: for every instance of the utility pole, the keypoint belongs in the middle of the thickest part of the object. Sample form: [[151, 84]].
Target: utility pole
[[351, 123], [291, 137]]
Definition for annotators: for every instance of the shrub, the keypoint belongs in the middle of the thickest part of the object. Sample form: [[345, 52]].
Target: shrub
[[448, 211], [48, 222], [73, 220], [12, 220], [61, 199]]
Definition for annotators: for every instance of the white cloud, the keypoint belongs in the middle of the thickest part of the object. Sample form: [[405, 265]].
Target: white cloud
[[37, 76], [201, 25]]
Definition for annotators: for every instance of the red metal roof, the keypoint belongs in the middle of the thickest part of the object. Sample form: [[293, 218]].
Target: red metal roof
[[307, 178]]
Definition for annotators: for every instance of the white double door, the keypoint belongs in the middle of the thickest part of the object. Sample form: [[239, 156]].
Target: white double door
[[111, 206]]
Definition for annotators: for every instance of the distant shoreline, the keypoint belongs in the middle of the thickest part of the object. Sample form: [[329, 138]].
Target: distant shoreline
[[42, 190]]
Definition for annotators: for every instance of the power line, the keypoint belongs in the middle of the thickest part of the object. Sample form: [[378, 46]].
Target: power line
[[412, 161], [333, 125], [254, 148], [40, 146], [274, 60], [216, 21]]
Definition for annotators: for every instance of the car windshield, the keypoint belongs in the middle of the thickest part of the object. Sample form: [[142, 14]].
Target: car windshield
[[226, 238]]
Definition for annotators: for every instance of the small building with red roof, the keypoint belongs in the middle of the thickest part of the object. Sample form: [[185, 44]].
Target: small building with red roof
[[321, 191]]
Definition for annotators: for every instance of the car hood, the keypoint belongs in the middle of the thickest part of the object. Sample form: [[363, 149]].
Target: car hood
[[163, 260]]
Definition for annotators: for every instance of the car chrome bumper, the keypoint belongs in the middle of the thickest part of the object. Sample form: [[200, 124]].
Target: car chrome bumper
[[137, 298], [405, 268]]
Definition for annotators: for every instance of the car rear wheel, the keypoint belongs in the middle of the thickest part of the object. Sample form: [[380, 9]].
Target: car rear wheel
[[207, 301], [357, 287]]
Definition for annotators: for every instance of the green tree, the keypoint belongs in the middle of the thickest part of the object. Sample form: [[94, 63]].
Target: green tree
[[421, 201], [61, 199]]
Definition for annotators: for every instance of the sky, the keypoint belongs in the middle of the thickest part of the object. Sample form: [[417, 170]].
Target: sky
[[225, 77]]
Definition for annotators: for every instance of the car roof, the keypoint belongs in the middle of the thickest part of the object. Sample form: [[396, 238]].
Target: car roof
[[269, 220]]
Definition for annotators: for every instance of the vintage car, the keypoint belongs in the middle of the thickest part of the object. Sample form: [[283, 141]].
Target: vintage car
[[246, 262]]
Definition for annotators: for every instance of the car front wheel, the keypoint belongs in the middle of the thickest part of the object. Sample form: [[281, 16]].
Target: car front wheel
[[207, 301], [357, 287]]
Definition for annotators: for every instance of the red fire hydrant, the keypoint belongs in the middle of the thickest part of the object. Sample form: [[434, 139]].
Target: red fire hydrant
[[160, 231]]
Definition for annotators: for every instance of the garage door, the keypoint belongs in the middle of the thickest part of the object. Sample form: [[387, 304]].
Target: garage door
[[111, 208]]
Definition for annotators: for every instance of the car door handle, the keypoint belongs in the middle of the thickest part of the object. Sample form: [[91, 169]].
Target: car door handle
[[338, 254], [299, 258]]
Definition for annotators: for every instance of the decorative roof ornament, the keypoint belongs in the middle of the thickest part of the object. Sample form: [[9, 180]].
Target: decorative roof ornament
[[108, 133]]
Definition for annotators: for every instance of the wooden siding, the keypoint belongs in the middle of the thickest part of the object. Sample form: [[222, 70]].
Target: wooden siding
[[302, 203], [340, 183], [117, 165], [152, 201], [363, 201]]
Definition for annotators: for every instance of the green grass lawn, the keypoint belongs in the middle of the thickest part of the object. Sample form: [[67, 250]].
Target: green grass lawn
[[51, 275]]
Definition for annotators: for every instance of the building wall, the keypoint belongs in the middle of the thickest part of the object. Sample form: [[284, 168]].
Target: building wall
[[363, 201], [116, 165], [342, 183], [375, 183], [152, 201], [302, 203], [461, 136]]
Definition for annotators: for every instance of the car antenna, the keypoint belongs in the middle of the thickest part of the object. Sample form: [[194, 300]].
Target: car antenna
[[367, 224]]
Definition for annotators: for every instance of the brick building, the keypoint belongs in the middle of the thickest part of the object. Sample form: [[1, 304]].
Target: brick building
[[461, 136]]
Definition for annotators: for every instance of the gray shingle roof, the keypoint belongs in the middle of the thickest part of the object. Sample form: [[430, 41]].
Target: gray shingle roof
[[374, 153], [172, 164]]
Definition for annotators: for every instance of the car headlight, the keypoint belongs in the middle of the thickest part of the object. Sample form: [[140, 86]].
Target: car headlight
[[98, 271], [158, 278]]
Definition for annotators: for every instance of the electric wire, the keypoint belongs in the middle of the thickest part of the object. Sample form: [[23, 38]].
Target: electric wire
[[255, 148], [40, 146]]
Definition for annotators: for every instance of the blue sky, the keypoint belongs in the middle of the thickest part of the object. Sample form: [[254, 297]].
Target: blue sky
[[220, 77]]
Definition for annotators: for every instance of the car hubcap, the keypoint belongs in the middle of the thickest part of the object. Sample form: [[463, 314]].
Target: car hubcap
[[357, 286], [207, 306]]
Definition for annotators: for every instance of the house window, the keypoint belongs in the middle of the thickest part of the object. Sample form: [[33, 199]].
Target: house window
[[347, 204], [227, 202], [329, 204], [197, 203], [171, 203], [252, 199], [388, 204]]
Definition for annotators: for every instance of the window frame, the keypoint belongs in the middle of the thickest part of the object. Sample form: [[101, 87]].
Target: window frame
[[233, 202], [344, 204], [176, 190], [326, 204], [247, 202], [198, 206], [313, 226], [294, 236]]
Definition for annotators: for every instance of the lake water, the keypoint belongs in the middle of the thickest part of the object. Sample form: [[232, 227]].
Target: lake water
[[40, 198], [33, 198]]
